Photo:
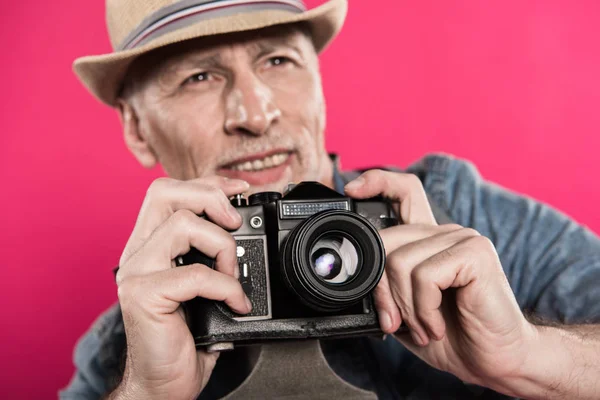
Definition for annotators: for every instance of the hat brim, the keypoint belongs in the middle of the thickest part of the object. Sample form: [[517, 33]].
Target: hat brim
[[103, 74]]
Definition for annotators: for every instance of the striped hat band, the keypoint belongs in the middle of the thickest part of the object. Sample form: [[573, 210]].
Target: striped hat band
[[187, 12]]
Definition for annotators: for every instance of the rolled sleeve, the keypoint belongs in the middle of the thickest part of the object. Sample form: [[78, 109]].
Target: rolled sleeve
[[97, 358]]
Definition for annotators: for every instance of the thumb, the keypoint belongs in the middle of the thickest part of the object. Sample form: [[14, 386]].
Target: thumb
[[207, 361]]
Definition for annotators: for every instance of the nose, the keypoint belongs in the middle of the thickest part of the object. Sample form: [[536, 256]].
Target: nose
[[250, 107]]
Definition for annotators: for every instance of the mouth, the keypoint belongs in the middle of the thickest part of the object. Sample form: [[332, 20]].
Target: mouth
[[259, 169]]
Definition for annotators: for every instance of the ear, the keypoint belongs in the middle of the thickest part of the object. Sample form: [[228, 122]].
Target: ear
[[135, 141]]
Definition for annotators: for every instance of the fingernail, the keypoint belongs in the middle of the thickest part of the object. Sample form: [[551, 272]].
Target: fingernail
[[236, 182], [386, 321], [244, 184], [236, 271], [417, 339], [434, 335], [248, 304], [355, 184]]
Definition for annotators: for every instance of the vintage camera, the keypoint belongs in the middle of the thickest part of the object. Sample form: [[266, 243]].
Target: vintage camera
[[308, 260]]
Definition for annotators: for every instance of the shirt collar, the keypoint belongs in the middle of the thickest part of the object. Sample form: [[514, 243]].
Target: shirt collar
[[338, 180]]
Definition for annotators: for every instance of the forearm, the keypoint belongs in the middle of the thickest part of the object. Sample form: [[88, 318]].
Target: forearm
[[564, 362]]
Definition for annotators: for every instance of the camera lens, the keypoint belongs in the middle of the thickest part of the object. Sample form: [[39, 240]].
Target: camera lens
[[332, 259]]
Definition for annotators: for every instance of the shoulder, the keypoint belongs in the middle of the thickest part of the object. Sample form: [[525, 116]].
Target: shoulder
[[457, 186], [444, 176]]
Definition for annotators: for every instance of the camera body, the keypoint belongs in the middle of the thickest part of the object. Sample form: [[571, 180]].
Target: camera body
[[309, 261]]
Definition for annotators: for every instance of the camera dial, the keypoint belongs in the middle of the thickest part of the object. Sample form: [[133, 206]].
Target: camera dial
[[260, 198]]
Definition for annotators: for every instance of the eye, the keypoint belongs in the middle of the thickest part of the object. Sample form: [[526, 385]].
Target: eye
[[199, 77], [279, 60]]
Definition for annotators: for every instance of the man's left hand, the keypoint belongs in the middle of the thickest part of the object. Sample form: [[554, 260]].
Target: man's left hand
[[446, 284]]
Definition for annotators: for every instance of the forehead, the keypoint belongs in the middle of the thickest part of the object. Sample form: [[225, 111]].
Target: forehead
[[296, 36]]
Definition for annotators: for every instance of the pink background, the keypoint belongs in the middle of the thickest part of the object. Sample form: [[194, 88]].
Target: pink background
[[512, 85]]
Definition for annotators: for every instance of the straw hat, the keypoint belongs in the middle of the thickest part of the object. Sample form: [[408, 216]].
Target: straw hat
[[136, 27]]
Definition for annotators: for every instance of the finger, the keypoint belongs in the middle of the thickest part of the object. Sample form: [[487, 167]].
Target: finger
[[209, 196], [208, 360], [401, 289], [404, 188], [463, 265], [426, 353], [162, 292], [394, 237], [401, 235], [176, 236], [387, 310], [400, 267]]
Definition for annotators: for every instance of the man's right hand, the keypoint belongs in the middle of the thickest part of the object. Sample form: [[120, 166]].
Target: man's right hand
[[162, 361]]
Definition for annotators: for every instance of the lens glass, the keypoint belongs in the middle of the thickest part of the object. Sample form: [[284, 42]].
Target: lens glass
[[334, 259]]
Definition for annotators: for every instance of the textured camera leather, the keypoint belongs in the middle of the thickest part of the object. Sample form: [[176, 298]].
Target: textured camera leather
[[212, 326]]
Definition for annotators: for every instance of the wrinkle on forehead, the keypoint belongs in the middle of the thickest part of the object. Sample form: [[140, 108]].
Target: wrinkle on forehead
[[207, 50], [221, 56]]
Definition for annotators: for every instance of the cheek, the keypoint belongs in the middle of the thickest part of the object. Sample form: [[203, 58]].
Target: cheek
[[182, 132], [315, 107], [312, 116], [302, 103], [305, 114]]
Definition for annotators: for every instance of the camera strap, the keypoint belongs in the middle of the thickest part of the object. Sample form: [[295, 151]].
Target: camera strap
[[294, 371]]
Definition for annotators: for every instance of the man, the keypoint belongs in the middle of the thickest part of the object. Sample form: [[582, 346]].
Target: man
[[226, 96]]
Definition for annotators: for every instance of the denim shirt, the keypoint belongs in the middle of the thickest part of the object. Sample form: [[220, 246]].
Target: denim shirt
[[551, 262]]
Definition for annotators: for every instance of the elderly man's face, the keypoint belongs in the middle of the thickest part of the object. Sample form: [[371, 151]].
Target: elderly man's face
[[246, 106]]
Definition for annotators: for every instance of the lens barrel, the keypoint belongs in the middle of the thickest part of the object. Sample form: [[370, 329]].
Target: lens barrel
[[332, 260]]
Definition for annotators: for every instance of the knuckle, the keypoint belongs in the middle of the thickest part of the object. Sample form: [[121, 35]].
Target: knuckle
[[216, 194], [373, 176], [210, 180], [157, 187], [372, 173], [482, 246], [470, 232], [213, 190], [230, 242], [446, 256], [225, 242], [397, 265], [127, 290], [183, 218], [483, 243], [452, 227], [120, 277], [197, 275], [439, 261], [414, 181], [419, 276]]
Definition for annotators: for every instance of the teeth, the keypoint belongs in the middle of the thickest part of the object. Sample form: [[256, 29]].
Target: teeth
[[258, 165]]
